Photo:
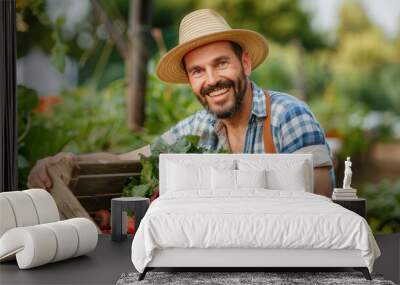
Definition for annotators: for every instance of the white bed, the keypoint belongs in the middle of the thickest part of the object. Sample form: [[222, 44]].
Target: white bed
[[202, 220]]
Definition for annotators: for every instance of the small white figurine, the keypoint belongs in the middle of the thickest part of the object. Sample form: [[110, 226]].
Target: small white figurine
[[347, 174]]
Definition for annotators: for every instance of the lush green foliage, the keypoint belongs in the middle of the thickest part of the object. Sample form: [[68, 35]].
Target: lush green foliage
[[41, 30], [149, 178], [350, 87], [167, 104], [46, 136], [85, 120], [82, 120], [383, 206]]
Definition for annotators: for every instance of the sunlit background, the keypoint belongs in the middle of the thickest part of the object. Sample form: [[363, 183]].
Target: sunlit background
[[341, 57]]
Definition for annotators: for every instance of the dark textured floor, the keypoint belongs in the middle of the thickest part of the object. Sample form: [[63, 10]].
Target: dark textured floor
[[231, 278], [110, 259]]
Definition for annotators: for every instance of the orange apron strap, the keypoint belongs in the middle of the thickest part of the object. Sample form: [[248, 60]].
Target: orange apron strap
[[269, 146]]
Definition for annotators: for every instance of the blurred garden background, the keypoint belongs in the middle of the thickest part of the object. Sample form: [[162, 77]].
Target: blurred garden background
[[86, 80]]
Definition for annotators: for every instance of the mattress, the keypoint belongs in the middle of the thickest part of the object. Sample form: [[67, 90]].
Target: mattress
[[250, 219]]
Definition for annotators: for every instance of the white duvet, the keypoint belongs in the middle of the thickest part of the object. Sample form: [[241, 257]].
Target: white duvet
[[253, 218]]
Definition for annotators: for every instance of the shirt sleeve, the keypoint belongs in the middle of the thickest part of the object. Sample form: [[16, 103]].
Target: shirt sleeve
[[300, 132]]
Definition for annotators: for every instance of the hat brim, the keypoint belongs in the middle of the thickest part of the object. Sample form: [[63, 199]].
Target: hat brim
[[170, 69]]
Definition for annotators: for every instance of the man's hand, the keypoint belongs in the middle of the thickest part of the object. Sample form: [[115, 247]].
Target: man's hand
[[39, 176], [322, 181]]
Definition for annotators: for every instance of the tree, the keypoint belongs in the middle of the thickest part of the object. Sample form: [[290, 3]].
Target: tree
[[353, 19], [365, 61], [135, 55]]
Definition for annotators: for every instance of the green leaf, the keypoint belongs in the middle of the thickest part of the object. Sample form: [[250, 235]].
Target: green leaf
[[383, 206], [181, 146], [194, 140], [149, 180], [58, 52], [27, 98], [60, 21], [140, 190], [127, 189], [147, 171], [159, 146], [46, 141], [58, 56]]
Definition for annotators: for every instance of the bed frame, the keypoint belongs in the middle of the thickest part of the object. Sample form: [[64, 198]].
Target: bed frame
[[242, 259], [246, 259]]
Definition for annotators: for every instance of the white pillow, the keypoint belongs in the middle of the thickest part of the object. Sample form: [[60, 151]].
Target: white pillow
[[184, 177], [294, 180], [188, 175], [282, 174], [251, 178], [223, 179], [235, 179]]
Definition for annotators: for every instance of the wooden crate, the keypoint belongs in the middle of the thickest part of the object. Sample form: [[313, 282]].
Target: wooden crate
[[95, 184], [81, 190]]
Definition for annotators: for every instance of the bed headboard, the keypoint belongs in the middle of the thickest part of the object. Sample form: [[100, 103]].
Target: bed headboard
[[283, 163]]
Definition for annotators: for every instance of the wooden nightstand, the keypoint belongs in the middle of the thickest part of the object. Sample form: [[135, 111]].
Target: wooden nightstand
[[356, 205]]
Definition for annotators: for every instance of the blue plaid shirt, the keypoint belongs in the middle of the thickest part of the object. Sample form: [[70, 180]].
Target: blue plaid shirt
[[294, 128]]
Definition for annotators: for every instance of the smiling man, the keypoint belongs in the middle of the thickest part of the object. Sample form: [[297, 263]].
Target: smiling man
[[218, 74], [216, 61]]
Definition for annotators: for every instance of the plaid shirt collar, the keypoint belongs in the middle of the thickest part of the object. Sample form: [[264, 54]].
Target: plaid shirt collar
[[259, 110]]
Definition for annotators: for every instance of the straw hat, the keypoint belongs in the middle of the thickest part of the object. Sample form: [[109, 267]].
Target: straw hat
[[202, 27]]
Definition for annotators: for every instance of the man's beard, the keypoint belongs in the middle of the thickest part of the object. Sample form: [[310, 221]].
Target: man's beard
[[239, 90]]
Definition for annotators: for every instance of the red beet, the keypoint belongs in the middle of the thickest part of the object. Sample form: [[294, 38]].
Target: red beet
[[155, 195], [131, 225], [102, 219]]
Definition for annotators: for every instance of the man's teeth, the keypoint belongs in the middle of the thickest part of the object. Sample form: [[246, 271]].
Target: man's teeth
[[218, 92]]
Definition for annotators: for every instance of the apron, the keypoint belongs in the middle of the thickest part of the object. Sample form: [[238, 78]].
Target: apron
[[269, 146]]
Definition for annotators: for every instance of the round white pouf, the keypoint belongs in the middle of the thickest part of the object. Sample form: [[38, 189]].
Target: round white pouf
[[40, 244], [45, 205], [33, 246], [67, 239], [7, 218], [23, 208], [87, 235]]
